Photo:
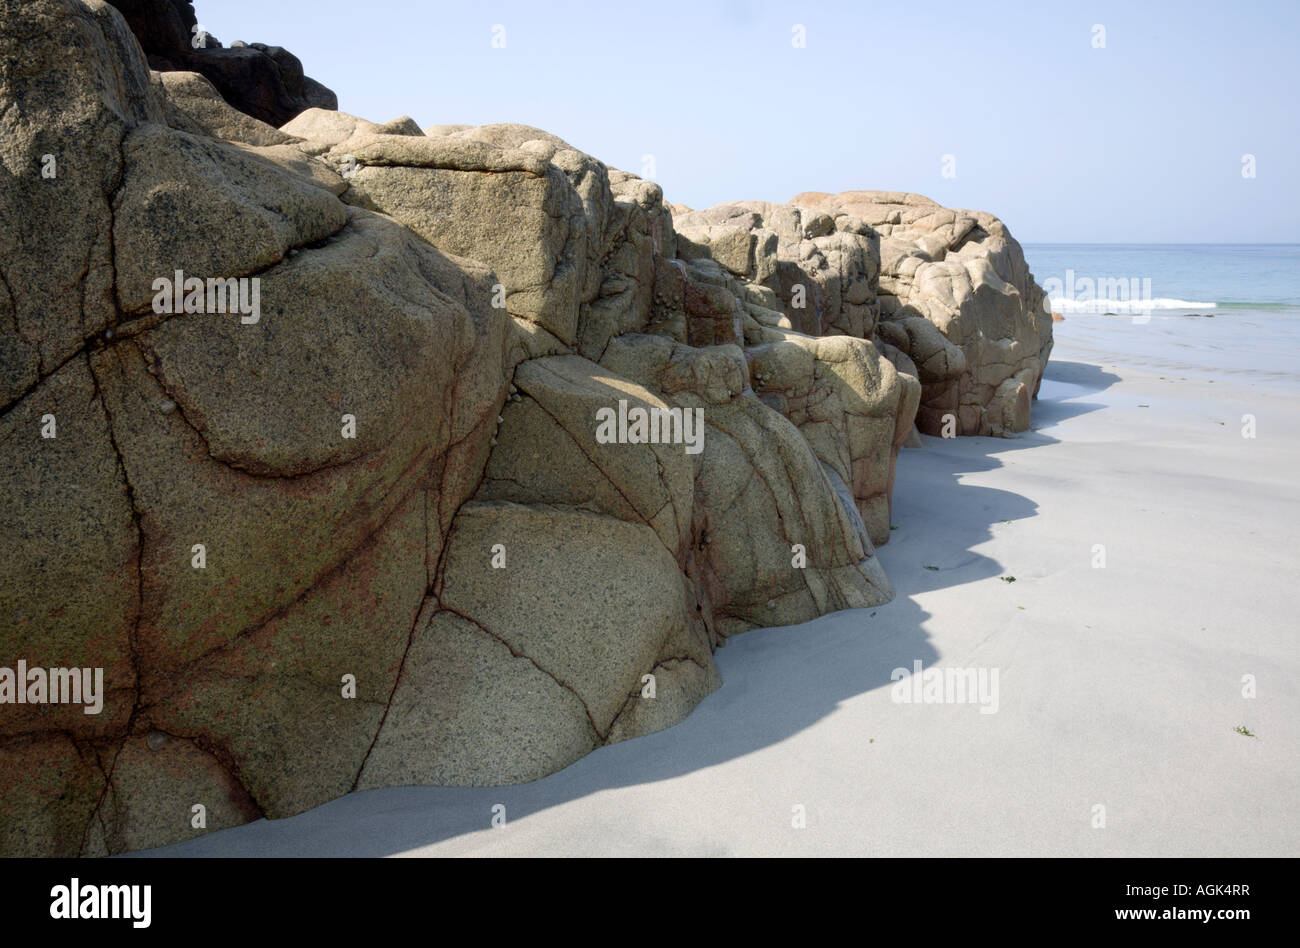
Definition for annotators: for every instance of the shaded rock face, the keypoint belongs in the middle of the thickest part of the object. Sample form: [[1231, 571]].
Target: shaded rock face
[[486, 462], [266, 82]]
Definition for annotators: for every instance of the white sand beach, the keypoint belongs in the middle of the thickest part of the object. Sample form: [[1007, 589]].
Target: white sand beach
[[1118, 686]]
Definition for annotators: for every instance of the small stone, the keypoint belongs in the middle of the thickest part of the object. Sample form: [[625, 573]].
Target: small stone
[[157, 740], [167, 407], [771, 604]]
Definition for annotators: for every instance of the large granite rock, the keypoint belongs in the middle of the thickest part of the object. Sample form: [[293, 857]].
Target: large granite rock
[[822, 269], [963, 274], [572, 241], [404, 524]]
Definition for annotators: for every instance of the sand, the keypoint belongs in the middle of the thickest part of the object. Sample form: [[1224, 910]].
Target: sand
[[1118, 687]]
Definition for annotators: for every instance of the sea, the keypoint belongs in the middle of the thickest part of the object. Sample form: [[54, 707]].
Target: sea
[[1200, 308]]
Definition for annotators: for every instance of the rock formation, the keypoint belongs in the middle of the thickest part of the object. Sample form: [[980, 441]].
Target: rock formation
[[494, 453], [266, 82], [948, 288]]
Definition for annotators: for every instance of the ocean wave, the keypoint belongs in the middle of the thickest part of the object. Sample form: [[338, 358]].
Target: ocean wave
[[1283, 306], [1062, 305]]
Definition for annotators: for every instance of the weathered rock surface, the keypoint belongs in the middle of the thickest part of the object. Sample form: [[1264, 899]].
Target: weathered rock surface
[[962, 273], [405, 526]]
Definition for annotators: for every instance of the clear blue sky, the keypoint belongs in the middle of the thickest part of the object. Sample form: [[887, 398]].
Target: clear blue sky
[[1140, 141]]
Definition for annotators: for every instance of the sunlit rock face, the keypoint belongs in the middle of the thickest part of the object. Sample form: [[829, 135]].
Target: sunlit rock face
[[963, 274]]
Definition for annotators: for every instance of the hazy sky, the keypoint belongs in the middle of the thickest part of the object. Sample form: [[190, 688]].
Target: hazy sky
[[1140, 141]]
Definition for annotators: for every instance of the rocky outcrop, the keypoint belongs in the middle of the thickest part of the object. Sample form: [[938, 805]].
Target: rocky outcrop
[[950, 289], [469, 472], [266, 82], [963, 274]]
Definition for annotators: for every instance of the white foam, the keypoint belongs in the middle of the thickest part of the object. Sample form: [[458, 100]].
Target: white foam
[[1063, 305]]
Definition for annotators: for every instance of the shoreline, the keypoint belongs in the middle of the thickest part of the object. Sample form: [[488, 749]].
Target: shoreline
[[1120, 686]]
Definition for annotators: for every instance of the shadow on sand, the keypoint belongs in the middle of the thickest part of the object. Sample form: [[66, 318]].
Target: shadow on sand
[[777, 681]]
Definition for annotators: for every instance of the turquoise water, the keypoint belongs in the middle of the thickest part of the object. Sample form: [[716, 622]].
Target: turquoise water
[[1210, 278], [1251, 290]]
